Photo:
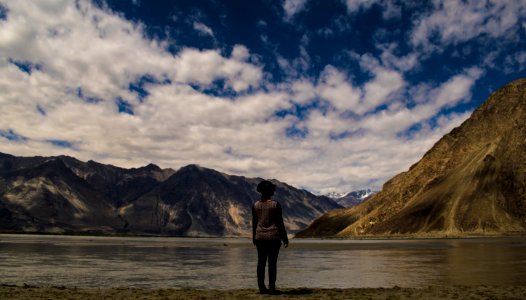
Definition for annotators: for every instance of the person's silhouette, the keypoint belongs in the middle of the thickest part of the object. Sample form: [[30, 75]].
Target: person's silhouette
[[268, 231]]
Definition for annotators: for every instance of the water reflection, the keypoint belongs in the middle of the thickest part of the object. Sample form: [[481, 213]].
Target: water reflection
[[486, 262], [231, 263]]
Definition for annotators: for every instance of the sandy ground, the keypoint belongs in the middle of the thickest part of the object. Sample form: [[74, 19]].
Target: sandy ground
[[450, 292]]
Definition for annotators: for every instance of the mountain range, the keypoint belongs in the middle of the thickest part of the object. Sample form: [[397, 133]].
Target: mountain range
[[471, 182], [351, 199], [64, 195]]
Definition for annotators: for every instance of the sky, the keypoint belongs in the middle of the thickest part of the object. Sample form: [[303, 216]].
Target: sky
[[328, 96]]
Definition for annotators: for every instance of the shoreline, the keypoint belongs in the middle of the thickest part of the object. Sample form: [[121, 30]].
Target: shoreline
[[330, 238], [430, 292]]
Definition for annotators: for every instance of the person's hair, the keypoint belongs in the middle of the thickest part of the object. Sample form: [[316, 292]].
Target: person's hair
[[266, 187]]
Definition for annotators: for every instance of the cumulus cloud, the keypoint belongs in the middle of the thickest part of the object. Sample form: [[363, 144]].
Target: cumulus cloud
[[385, 82], [338, 91], [212, 66], [377, 91], [303, 91]]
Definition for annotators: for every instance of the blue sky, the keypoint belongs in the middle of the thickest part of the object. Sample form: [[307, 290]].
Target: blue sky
[[325, 95]]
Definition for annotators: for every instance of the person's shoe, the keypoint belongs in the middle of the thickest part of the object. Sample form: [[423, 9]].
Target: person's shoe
[[263, 291]]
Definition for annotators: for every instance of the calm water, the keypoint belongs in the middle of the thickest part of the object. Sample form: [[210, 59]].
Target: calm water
[[231, 263]]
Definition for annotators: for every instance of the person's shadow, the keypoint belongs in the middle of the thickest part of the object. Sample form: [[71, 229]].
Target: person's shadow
[[297, 292]]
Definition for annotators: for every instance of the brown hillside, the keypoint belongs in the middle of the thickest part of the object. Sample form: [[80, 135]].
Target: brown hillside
[[473, 181]]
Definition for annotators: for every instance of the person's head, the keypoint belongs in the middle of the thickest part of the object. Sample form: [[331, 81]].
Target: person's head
[[266, 189]]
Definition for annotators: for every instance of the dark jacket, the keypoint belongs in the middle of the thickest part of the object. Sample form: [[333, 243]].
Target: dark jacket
[[267, 221]]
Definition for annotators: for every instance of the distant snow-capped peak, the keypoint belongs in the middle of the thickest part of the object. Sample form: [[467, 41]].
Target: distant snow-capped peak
[[359, 194], [336, 195]]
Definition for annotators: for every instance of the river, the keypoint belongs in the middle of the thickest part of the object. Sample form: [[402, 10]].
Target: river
[[229, 263]]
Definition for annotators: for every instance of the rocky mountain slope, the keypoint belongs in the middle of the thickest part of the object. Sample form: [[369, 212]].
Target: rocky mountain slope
[[198, 200], [472, 181], [63, 194]]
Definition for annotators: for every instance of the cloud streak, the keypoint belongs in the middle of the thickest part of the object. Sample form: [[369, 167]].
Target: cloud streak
[[454, 22]]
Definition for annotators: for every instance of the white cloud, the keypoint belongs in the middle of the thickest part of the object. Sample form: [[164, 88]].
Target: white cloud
[[385, 83], [240, 53], [456, 89], [297, 66], [515, 62], [101, 57], [392, 10], [203, 29], [212, 66], [490, 59], [459, 21], [356, 5], [67, 41], [293, 7], [303, 91], [377, 92], [335, 88], [448, 94], [392, 61]]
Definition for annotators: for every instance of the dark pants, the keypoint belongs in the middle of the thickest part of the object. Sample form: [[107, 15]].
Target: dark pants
[[267, 250]]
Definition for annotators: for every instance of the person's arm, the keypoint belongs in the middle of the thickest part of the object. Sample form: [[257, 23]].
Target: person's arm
[[281, 227], [254, 224]]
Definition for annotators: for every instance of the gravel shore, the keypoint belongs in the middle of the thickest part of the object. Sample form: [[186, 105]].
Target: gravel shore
[[447, 292]]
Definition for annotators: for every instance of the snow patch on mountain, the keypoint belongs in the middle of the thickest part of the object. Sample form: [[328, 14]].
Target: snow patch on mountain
[[352, 198]]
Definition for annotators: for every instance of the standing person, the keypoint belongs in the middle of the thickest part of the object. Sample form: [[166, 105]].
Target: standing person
[[268, 231]]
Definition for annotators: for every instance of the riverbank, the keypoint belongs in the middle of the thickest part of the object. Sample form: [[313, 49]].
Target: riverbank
[[395, 236], [436, 292]]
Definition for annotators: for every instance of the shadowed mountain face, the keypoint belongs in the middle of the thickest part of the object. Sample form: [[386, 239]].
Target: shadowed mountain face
[[200, 201], [58, 194], [64, 194], [473, 181]]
